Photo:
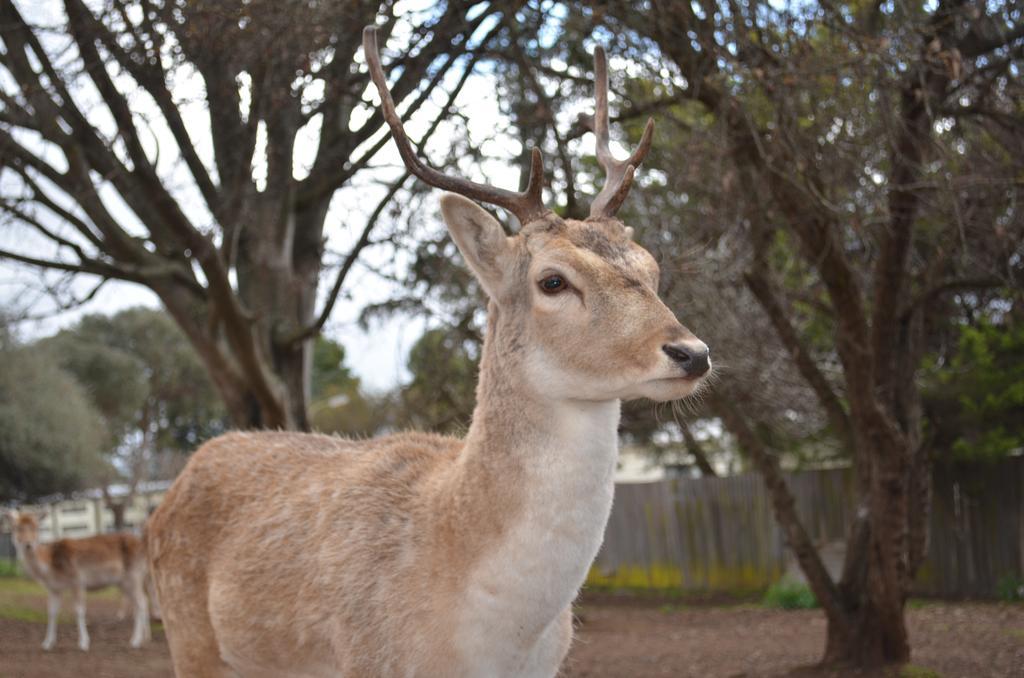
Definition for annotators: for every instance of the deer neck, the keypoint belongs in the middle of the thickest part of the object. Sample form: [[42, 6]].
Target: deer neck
[[539, 474], [29, 556]]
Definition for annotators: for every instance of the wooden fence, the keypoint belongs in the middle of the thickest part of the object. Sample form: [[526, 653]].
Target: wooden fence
[[719, 534]]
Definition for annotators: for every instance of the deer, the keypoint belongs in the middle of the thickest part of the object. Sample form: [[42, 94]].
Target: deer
[[81, 565], [415, 554]]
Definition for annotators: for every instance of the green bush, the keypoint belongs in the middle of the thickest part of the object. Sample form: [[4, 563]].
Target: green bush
[[789, 595], [1010, 588]]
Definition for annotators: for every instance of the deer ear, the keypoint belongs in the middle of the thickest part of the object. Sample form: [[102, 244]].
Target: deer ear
[[480, 239]]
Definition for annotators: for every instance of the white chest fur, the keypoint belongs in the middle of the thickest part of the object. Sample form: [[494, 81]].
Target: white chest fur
[[509, 620]]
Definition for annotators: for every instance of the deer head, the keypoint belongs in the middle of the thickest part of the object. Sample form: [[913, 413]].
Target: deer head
[[577, 301], [24, 527]]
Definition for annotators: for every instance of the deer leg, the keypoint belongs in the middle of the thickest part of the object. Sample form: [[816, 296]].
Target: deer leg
[[52, 612], [83, 633], [151, 599], [126, 605], [140, 632], [195, 651]]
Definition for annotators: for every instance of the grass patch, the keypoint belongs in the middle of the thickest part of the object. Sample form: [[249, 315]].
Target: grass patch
[[921, 603], [24, 600], [19, 586], [15, 612], [9, 568], [789, 595]]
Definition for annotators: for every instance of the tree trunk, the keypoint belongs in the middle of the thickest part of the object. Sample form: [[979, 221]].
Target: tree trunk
[[864, 611], [695, 450], [877, 570], [876, 637], [118, 509], [784, 510], [261, 373]]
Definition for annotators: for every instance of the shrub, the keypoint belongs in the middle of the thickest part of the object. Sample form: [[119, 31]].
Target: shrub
[[1010, 588], [789, 595]]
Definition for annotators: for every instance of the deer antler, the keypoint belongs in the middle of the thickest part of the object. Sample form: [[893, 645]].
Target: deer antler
[[618, 173], [526, 206]]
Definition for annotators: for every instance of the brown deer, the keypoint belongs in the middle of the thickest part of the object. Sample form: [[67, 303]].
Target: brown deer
[[81, 565], [289, 554]]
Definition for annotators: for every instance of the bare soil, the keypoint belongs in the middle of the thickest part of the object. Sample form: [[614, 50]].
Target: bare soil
[[617, 638], [637, 639]]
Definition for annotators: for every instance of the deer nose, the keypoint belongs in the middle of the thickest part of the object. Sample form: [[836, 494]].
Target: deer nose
[[695, 360]]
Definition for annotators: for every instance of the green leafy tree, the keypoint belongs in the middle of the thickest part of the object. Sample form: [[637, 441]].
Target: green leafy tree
[[441, 394], [51, 436], [144, 377], [975, 404], [179, 408], [112, 378], [330, 373], [151, 389], [339, 404]]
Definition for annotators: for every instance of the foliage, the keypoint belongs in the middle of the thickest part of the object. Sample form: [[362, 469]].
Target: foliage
[[338, 403], [113, 379], [976, 401], [147, 382], [182, 408], [51, 435], [1010, 588], [330, 374], [789, 595], [441, 395]]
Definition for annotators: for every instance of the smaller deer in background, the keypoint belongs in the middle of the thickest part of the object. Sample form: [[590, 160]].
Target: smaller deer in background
[[82, 565]]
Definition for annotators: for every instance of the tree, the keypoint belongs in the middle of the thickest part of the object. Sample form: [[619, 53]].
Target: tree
[[330, 373], [157, 143], [51, 437], [833, 121], [152, 392], [339, 404], [973, 405], [179, 408], [441, 394]]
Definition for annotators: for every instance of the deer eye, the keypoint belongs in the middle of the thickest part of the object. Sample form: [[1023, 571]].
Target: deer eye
[[553, 284]]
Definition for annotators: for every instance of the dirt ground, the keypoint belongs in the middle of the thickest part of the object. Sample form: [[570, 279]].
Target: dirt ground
[[617, 638], [633, 638]]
